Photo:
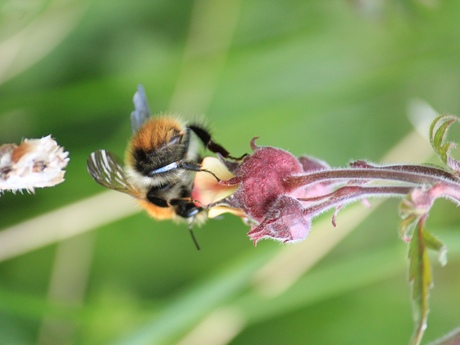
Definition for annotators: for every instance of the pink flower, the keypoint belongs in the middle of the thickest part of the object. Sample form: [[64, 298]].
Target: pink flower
[[255, 191], [207, 189], [278, 194], [284, 221]]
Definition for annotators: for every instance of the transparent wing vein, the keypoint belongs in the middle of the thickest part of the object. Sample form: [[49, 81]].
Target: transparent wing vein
[[107, 170]]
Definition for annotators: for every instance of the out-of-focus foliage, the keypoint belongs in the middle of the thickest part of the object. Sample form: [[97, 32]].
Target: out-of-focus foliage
[[331, 79]]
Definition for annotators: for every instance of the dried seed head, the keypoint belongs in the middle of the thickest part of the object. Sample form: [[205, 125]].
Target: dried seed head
[[35, 163]]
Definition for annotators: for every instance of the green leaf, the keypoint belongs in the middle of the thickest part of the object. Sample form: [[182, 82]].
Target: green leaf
[[438, 132], [438, 138], [406, 227], [410, 215], [421, 279], [434, 243], [412, 228]]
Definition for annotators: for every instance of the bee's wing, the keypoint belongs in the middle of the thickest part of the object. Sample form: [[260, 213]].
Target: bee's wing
[[141, 111], [107, 170]]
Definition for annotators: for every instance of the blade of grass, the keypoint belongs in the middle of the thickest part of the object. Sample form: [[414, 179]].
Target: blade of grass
[[65, 222]]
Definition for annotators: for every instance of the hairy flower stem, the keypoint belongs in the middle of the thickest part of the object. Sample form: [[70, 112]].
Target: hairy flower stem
[[417, 169], [349, 194], [447, 190], [437, 182], [415, 175]]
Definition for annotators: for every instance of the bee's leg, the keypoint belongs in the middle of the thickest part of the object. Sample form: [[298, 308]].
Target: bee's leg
[[190, 229], [191, 166], [205, 137], [185, 208]]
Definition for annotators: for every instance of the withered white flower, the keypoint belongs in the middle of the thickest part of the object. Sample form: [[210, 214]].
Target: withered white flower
[[35, 163]]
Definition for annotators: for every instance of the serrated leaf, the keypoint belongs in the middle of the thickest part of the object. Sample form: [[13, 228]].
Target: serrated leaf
[[441, 133], [443, 151], [438, 137], [406, 207], [438, 132], [406, 227], [410, 217], [434, 243], [421, 279]]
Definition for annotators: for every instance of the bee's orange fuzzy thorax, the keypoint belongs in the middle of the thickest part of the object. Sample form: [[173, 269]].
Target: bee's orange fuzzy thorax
[[156, 132]]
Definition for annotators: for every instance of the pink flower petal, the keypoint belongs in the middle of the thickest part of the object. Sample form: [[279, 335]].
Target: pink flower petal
[[285, 222], [207, 189]]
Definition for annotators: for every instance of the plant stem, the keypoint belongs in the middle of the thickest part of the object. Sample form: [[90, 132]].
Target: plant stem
[[349, 194], [400, 181], [416, 175]]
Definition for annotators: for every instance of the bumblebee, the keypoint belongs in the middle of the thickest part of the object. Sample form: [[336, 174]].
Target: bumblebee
[[160, 163]]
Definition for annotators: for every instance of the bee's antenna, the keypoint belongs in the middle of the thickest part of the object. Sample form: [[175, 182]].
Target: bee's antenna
[[194, 239]]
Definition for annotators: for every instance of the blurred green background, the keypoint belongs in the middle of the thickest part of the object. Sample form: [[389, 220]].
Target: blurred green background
[[332, 79]]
